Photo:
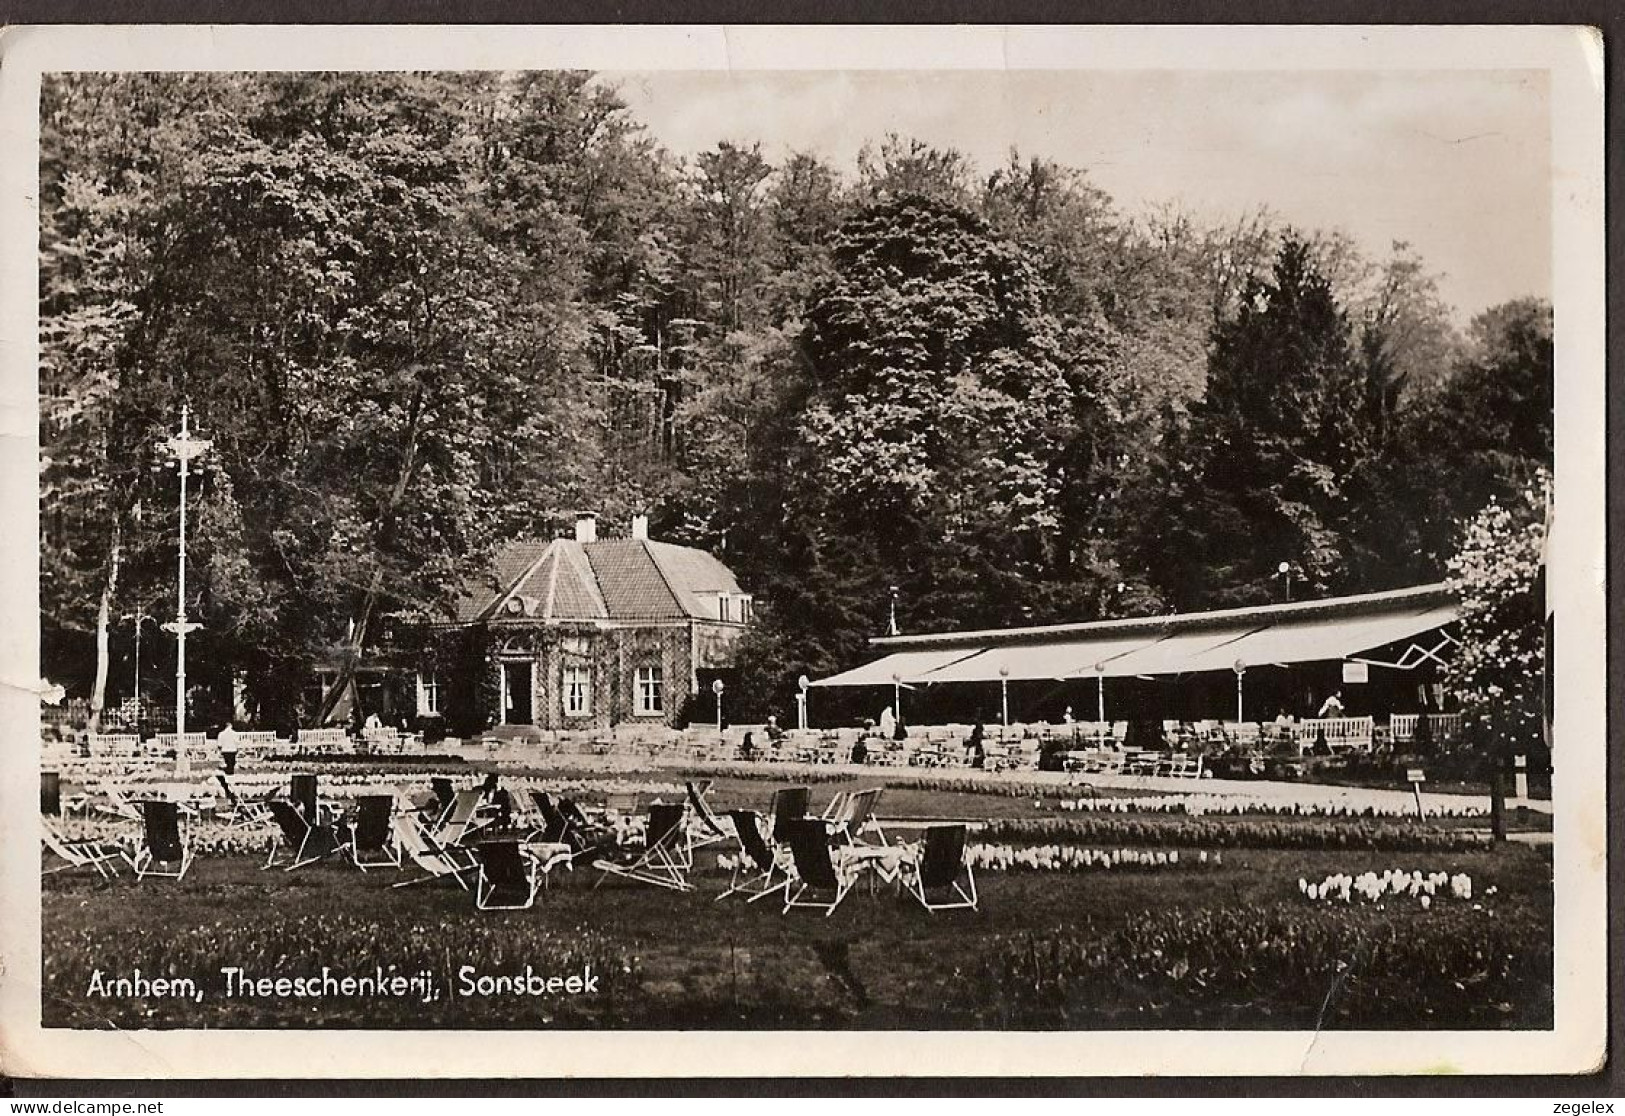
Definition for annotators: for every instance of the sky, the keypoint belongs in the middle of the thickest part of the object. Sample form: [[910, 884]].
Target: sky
[[1455, 162]]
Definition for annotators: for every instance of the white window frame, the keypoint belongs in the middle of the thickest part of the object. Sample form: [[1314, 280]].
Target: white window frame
[[648, 691], [746, 605], [428, 693], [575, 679]]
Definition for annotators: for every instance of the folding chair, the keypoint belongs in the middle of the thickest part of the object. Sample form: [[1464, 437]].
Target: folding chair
[[163, 842], [302, 789], [434, 860], [462, 820], [509, 876], [788, 804], [309, 843], [241, 814], [118, 803], [79, 854], [711, 830], [372, 839], [813, 870], [667, 855], [759, 855], [939, 867], [860, 815]]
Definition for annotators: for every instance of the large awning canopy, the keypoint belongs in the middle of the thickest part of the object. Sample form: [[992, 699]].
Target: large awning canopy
[[1023, 662], [904, 667], [1383, 629], [1311, 641]]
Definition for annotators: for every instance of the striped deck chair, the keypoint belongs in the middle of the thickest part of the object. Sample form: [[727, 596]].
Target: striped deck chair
[[813, 871], [939, 868], [164, 849], [372, 840], [241, 812], [860, 816], [99, 855], [305, 842], [667, 854], [434, 860], [756, 870]]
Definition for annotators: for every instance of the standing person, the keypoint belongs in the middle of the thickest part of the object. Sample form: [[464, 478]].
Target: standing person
[[226, 739], [973, 743], [888, 723]]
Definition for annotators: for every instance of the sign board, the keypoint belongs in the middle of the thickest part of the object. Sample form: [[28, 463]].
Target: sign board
[[1356, 672], [1415, 775]]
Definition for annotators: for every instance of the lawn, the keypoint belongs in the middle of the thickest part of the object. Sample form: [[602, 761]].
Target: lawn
[[1193, 944]]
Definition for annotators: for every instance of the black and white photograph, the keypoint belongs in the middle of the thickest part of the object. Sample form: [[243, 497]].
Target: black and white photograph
[[1040, 539]]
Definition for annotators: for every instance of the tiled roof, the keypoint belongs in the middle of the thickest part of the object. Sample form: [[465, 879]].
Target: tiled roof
[[618, 579]]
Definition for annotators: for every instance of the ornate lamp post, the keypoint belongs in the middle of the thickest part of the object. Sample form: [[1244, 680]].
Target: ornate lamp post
[[716, 688], [185, 448], [1240, 668], [897, 697], [891, 624], [801, 702], [140, 616], [1004, 697]]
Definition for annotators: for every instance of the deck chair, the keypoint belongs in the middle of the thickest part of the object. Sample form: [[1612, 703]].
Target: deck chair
[[372, 840], [788, 804], [163, 849], [813, 870], [118, 803], [434, 860], [242, 813], [302, 790], [308, 843], [667, 855], [940, 868], [509, 876], [860, 815], [79, 854], [444, 793], [837, 811], [711, 830], [462, 820], [756, 871]]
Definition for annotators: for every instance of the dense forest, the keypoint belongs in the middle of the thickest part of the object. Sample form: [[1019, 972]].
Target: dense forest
[[419, 315]]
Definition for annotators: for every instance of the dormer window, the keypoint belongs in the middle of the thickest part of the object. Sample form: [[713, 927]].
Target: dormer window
[[724, 609], [746, 604]]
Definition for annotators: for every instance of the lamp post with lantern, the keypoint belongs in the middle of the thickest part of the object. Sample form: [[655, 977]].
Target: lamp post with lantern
[[1240, 668], [185, 449], [717, 688], [1004, 699], [801, 702]]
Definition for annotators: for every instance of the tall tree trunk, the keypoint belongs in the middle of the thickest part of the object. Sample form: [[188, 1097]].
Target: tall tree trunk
[[375, 585], [104, 621]]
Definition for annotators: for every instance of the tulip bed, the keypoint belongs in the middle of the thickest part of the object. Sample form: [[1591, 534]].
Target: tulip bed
[[1165, 832], [1203, 805]]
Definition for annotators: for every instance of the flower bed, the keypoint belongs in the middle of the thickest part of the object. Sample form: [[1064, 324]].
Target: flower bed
[[1332, 806], [1074, 858], [1231, 833], [1290, 967], [1393, 883]]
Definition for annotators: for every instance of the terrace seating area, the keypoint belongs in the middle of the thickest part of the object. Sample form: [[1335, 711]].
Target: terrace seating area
[[501, 843]]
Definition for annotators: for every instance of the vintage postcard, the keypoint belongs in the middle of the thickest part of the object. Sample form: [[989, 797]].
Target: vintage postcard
[[802, 551]]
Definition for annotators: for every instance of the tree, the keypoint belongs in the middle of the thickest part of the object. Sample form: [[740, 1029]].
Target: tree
[[1273, 441], [1497, 669]]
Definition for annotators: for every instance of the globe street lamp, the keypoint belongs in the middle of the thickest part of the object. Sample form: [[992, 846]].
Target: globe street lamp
[[1240, 668], [1100, 700], [801, 702], [1284, 570], [716, 688], [897, 697]]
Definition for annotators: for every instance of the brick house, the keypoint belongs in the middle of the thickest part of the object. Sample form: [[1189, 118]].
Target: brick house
[[586, 633]]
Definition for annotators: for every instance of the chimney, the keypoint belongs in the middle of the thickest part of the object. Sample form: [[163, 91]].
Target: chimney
[[640, 527], [587, 529]]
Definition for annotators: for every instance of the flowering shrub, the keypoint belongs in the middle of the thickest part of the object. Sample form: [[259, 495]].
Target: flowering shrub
[[1497, 668], [1189, 833], [1276, 966], [1332, 806]]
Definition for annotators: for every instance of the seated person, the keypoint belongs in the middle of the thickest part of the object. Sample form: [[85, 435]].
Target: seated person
[[774, 732]]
